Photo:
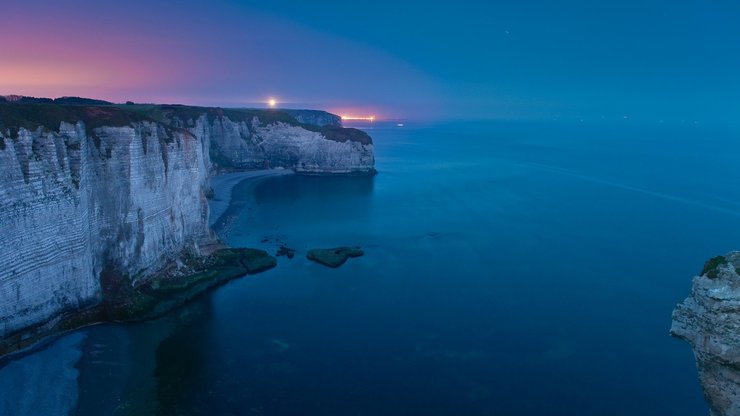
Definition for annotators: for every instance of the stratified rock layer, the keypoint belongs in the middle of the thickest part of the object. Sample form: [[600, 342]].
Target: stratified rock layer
[[238, 145], [122, 188], [132, 199], [709, 320]]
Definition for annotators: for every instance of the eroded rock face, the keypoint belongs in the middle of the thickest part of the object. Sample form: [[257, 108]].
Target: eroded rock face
[[132, 199], [254, 145], [709, 320], [77, 200]]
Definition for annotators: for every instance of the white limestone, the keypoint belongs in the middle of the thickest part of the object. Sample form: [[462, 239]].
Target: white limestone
[[131, 198]]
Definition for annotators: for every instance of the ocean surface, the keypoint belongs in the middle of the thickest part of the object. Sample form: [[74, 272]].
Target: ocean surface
[[509, 269]]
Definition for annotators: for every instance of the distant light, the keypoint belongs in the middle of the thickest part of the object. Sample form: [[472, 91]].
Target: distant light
[[368, 118], [272, 103]]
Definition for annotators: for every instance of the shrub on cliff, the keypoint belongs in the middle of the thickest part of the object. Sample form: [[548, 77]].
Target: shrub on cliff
[[712, 265]]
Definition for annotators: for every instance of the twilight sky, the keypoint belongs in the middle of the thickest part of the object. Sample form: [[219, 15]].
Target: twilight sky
[[526, 59]]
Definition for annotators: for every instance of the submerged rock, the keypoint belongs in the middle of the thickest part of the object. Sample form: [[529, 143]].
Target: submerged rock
[[286, 251], [709, 320], [333, 257]]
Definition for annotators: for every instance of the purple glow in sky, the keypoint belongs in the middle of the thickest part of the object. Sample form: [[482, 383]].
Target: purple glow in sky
[[220, 55], [648, 60]]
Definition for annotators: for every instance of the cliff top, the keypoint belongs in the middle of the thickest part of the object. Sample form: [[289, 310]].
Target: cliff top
[[31, 113]]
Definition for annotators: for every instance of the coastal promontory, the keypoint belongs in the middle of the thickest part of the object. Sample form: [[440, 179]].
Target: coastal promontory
[[91, 191]]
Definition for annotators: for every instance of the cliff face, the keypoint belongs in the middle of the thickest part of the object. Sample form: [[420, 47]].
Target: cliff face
[[709, 320], [253, 145], [316, 118], [125, 192], [70, 207]]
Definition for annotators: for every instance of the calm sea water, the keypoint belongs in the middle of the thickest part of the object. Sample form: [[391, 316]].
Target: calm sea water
[[510, 269]]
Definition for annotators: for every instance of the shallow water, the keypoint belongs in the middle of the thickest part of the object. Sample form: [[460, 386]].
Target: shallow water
[[509, 269]]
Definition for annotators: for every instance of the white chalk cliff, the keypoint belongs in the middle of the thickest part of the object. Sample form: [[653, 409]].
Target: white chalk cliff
[[709, 320], [130, 196]]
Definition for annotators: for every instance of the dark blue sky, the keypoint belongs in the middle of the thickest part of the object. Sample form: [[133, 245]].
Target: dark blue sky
[[646, 60]]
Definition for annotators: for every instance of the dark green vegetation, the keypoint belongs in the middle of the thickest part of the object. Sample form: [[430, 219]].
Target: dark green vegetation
[[31, 113], [712, 265], [333, 257], [61, 100], [315, 117], [14, 115], [124, 301], [341, 134]]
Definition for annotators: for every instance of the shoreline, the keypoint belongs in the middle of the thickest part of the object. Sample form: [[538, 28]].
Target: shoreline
[[39, 337], [223, 185], [23, 360], [25, 363]]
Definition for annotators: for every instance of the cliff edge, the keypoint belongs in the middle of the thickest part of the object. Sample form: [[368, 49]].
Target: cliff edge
[[709, 320], [120, 190]]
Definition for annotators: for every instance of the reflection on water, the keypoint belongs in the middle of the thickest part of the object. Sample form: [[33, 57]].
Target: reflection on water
[[181, 360], [152, 367], [345, 198]]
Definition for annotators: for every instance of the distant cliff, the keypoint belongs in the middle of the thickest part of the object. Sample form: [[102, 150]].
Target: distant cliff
[[316, 117], [90, 188], [709, 320]]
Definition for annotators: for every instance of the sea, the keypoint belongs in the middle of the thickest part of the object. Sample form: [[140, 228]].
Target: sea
[[510, 268]]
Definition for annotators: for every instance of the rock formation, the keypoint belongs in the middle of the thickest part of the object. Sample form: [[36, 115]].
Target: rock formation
[[334, 257], [87, 188], [709, 320], [315, 117]]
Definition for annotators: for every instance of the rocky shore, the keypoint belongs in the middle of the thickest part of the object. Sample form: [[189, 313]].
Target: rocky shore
[[124, 301]]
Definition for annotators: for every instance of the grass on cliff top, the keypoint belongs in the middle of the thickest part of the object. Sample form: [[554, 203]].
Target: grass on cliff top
[[13, 116], [31, 116], [341, 134], [711, 267], [169, 113]]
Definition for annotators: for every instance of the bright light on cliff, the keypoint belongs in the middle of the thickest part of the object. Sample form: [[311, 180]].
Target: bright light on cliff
[[272, 103], [368, 118]]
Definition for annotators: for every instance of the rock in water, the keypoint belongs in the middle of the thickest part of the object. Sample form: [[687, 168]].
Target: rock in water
[[333, 257], [286, 251], [709, 320]]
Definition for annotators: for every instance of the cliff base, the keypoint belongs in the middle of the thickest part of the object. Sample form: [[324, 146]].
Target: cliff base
[[126, 300]]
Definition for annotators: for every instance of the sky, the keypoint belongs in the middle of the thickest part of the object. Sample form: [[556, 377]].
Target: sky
[[672, 61]]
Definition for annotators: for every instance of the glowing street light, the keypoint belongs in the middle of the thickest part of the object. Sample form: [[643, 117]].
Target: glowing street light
[[369, 118]]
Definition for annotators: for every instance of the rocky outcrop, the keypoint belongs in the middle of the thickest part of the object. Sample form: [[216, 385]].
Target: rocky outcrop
[[709, 320], [253, 144], [123, 188], [334, 257], [316, 117]]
